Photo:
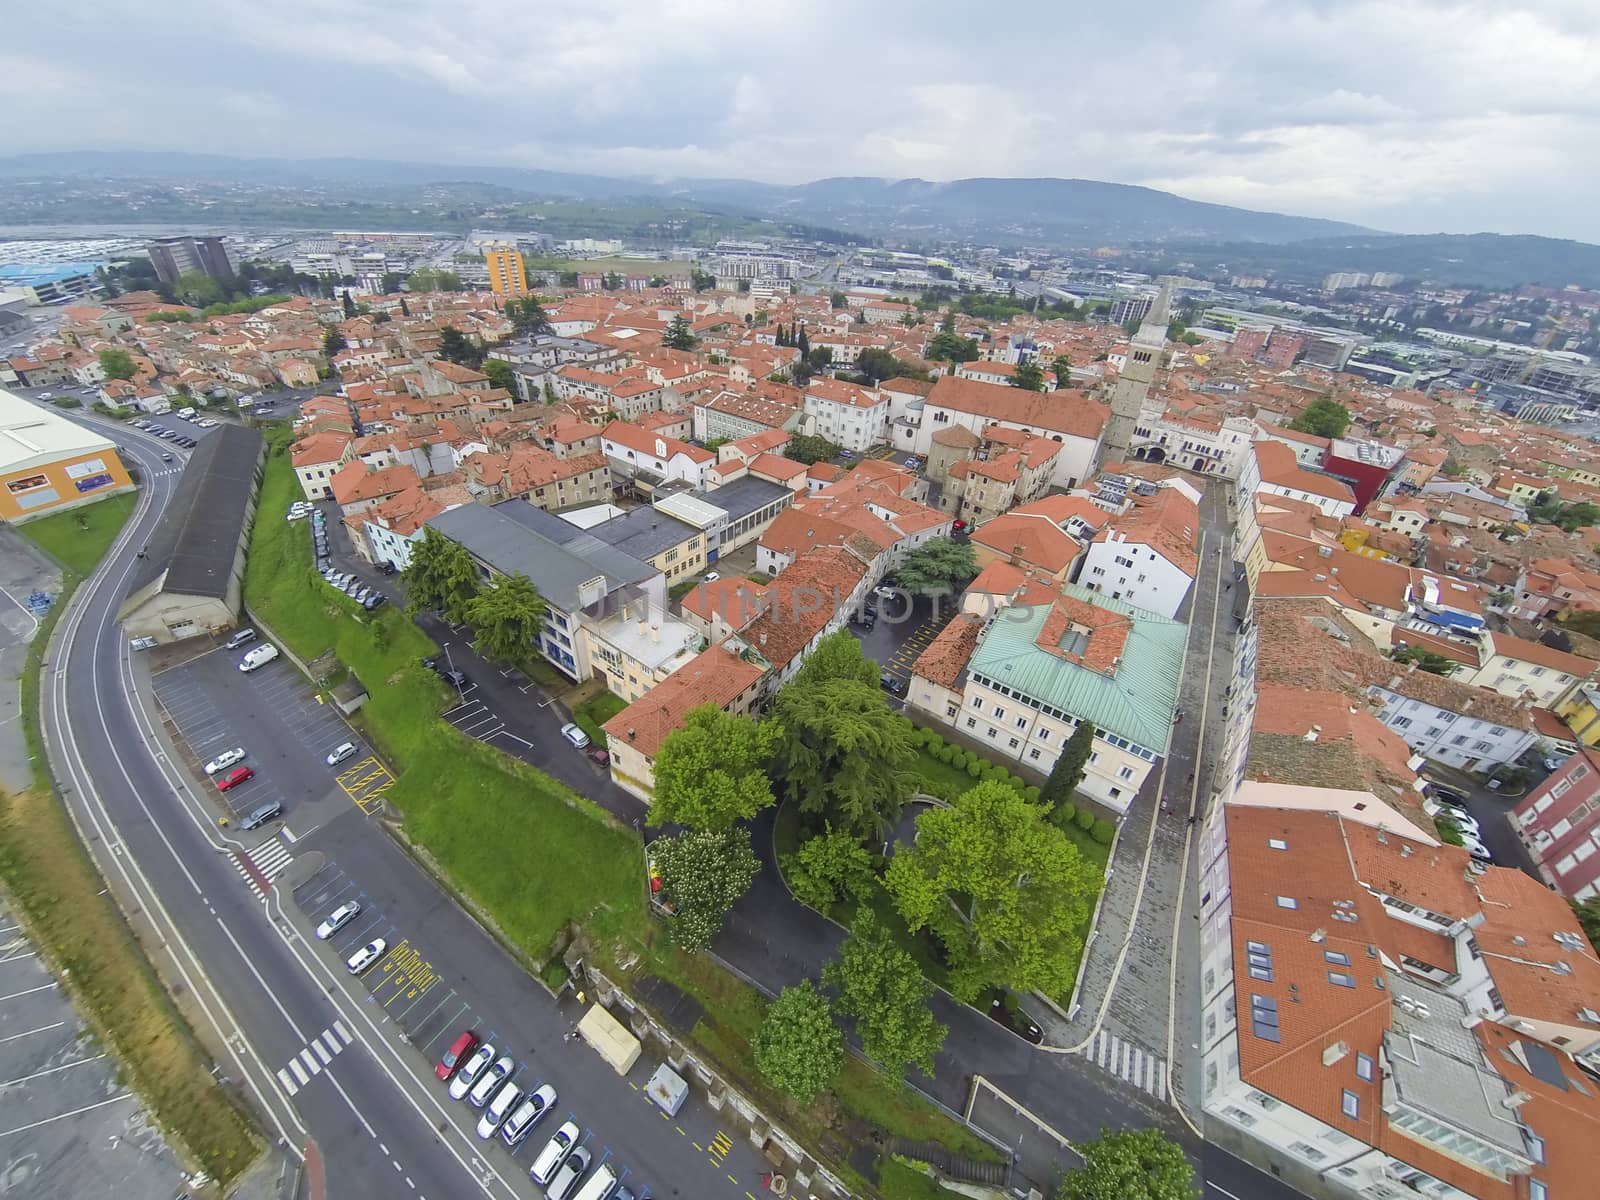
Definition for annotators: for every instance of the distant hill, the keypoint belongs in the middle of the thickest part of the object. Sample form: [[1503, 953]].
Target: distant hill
[[1466, 260]]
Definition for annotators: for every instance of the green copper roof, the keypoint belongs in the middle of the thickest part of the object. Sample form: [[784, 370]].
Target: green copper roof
[[1137, 702]]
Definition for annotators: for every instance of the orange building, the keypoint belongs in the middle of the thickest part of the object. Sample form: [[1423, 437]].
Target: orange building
[[48, 463], [506, 276]]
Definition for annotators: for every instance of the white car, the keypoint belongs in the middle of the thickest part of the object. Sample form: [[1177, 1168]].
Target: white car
[[225, 760], [471, 1070], [576, 736], [338, 919], [366, 956], [496, 1111], [503, 1068], [1475, 848], [711, 576], [339, 753]]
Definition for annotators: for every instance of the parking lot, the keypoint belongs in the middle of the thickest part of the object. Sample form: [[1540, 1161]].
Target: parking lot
[[903, 631], [275, 716], [68, 1126], [432, 1005]]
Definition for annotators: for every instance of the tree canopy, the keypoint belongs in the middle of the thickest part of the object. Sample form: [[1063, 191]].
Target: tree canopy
[[507, 617], [1004, 891], [881, 986], [829, 867], [711, 771], [1429, 660], [455, 347], [1070, 764], [679, 336], [948, 347], [117, 363], [1325, 417], [432, 279], [808, 448], [798, 1047], [500, 374], [197, 289], [528, 316], [837, 656], [938, 566], [333, 341], [1130, 1164], [845, 754], [440, 576], [704, 872], [1547, 509], [1062, 367], [1029, 376]]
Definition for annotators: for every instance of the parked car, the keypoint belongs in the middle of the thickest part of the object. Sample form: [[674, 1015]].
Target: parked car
[[711, 576], [491, 1081], [338, 919], [259, 657], [554, 1153], [165, 457], [234, 778], [225, 760], [471, 1071], [386, 567], [363, 958], [242, 637], [527, 1114], [339, 753], [376, 600], [1476, 848], [261, 814], [959, 525], [866, 619], [892, 684], [464, 1045], [455, 679], [603, 757], [498, 1109], [576, 736], [143, 643], [568, 1173]]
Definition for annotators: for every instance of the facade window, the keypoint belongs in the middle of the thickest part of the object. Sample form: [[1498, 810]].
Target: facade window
[[1364, 1067], [1288, 902], [1034, 753], [972, 722]]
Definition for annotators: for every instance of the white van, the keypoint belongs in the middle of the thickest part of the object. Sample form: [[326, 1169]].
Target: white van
[[259, 657], [188, 414], [599, 1185]]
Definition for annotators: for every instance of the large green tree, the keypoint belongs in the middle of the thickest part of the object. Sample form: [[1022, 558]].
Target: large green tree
[[1130, 1164], [950, 347], [1325, 417], [679, 336], [837, 656], [1588, 914], [712, 770], [828, 867], [197, 289], [798, 1047], [879, 365], [1063, 370], [440, 576], [938, 566], [703, 872], [1069, 767], [808, 448], [500, 374], [1029, 376], [528, 315], [432, 279], [1004, 891], [881, 986], [456, 347], [507, 617], [333, 341], [845, 754], [117, 363]]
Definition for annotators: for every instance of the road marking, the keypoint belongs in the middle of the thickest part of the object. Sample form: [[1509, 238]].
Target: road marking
[[344, 1034], [322, 1053], [332, 1042], [51, 1071], [299, 1071], [289, 1085], [43, 987], [29, 1032], [65, 1115], [310, 1061]]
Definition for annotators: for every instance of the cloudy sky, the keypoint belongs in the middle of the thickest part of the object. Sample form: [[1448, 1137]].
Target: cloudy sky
[[1411, 115]]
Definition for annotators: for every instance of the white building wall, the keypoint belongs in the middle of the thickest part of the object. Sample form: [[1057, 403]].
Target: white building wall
[[1457, 740], [1133, 572]]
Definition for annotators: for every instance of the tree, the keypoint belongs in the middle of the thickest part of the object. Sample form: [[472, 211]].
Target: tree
[[1063, 370], [1004, 891], [838, 300], [837, 656], [878, 365], [1430, 661], [432, 279], [390, 283], [568, 279], [809, 448], [1070, 765], [743, 287], [1130, 1164], [798, 1047], [197, 289], [1588, 914], [679, 336], [703, 872], [333, 341], [802, 343], [454, 347], [405, 309], [348, 303], [611, 281], [828, 867], [500, 374], [712, 770], [938, 566], [947, 347], [702, 282], [1029, 376], [117, 363], [819, 358], [440, 576], [881, 986], [508, 618], [845, 754], [529, 317], [1325, 417]]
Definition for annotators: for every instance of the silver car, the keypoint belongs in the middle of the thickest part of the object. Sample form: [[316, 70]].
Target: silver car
[[471, 1070], [567, 1174], [496, 1111], [522, 1118], [491, 1081], [338, 919]]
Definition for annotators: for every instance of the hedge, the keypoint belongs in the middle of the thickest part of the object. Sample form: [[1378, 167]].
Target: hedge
[[1103, 832]]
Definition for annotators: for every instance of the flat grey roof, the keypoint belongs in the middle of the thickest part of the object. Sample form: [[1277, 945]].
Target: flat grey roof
[[508, 542], [744, 496], [204, 522], [643, 532]]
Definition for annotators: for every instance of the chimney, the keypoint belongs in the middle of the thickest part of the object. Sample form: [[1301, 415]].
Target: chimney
[[1411, 667], [655, 633], [632, 733]]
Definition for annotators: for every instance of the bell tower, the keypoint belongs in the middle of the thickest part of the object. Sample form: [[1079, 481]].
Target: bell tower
[[1138, 373]]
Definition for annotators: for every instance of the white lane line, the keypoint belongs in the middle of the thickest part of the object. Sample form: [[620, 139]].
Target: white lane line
[[50, 1071], [299, 1071], [288, 1084], [343, 1033], [310, 1061], [65, 1115], [30, 1032], [321, 1053], [332, 1042], [43, 987]]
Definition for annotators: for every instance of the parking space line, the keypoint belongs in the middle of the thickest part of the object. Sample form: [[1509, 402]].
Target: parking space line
[[63, 1116], [43, 987], [51, 1071], [31, 1032]]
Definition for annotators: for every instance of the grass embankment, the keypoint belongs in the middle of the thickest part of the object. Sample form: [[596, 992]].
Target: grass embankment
[[533, 854], [60, 896], [899, 1182], [591, 717]]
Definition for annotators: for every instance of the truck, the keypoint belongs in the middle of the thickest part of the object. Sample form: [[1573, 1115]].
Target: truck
[[667, 1090]]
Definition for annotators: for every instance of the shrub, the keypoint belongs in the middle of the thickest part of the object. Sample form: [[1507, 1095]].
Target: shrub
[[1032, 793], [1085, 819], [975, 768], [1103, 832], [945, 754]]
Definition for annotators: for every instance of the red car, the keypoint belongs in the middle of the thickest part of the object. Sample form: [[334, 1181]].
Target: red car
[[459, 1051], [959, 525], [234, 778]]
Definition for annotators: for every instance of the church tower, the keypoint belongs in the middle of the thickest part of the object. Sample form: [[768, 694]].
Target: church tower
[[1133, 384]]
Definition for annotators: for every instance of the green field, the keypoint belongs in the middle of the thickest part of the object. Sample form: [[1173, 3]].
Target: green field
[[493, 826], [621, 266], [79, 539]]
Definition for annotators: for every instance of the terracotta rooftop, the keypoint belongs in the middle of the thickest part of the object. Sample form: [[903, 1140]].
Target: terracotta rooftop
[[715, 676]]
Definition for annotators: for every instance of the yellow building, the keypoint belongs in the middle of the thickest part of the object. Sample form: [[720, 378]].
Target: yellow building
[[48, 463], [1582, 715], [506, 275]]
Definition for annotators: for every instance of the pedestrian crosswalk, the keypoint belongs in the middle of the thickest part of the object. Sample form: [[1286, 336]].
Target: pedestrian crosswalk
[[265, 861], [1142, 1068], [318, 1053]]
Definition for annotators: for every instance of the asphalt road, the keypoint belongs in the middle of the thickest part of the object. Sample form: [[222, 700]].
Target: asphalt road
[[275, 993]]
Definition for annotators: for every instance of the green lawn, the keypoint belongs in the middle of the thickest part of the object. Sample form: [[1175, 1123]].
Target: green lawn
[[896, 1181], [533, 854], [592, 716], [79, 539]]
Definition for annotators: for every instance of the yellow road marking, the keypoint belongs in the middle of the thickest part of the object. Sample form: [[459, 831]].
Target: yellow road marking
[[733, 1181], [679, 1128], [698, 1146]]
